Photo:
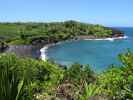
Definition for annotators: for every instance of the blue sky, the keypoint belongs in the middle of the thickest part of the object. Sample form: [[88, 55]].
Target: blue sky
[[106, 12]]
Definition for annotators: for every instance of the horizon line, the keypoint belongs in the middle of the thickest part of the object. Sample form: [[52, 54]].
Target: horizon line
[[48, 21]]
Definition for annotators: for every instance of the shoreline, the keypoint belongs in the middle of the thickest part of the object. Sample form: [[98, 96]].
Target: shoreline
[[44, 49]]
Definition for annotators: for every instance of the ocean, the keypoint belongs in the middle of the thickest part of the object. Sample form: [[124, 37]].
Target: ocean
[[99, 54]]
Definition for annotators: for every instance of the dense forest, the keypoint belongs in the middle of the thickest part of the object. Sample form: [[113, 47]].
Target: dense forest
[[32, 33], [30, 79]]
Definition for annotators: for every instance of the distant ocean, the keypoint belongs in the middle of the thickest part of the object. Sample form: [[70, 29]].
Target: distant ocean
[[98, 54]]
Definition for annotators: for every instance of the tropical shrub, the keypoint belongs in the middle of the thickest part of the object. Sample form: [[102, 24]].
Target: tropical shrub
[[11, 85], [79, 74], [28, 79], [24, 77], [117, 82]]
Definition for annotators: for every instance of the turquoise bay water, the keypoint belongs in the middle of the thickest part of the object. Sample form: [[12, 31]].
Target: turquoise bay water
[[98, 54]]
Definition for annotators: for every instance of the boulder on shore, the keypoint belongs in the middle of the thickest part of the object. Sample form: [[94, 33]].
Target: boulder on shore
[[3, 46]]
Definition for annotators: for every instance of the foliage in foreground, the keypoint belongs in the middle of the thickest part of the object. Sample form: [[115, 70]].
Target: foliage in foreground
[[27, 76], [10, 84], [118, 82], [28, 79]]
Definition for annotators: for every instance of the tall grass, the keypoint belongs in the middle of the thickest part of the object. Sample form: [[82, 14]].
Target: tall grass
[[10, 84]]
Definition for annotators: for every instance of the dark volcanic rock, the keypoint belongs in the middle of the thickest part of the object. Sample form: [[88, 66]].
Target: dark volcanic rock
[[3, 46], [116, 32]]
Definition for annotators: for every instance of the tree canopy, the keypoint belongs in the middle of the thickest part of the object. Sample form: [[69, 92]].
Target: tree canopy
[[27, 33]]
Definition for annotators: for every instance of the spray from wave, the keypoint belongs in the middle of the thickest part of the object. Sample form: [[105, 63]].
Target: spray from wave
[[110, 39], [43, 53]]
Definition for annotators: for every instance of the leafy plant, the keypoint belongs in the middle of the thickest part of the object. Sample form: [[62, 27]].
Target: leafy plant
[[89, 90], [10, 84]]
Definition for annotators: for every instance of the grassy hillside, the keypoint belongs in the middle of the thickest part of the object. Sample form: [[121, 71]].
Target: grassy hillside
[[30, 33]]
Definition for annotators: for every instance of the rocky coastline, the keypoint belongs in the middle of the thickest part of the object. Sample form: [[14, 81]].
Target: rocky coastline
[[44, 44]]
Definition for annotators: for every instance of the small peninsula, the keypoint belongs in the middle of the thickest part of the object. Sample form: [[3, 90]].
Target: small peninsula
[[45, 33]]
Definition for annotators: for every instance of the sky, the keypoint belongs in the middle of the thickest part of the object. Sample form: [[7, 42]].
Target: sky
[[105, 12]]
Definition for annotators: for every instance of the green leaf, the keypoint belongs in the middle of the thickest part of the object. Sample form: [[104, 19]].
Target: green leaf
[[20, 87]]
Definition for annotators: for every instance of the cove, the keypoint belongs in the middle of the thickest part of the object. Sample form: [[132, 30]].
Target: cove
[[98, 54]]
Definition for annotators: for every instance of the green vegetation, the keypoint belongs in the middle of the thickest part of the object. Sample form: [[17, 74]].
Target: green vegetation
[[31, 33], [29, 79], [22, 78]]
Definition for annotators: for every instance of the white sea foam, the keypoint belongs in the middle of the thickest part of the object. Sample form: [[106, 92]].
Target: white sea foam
[[43, 50], [110, 39], [43, 53]]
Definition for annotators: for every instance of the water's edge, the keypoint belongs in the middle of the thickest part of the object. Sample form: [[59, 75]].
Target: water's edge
[[43, 50]]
